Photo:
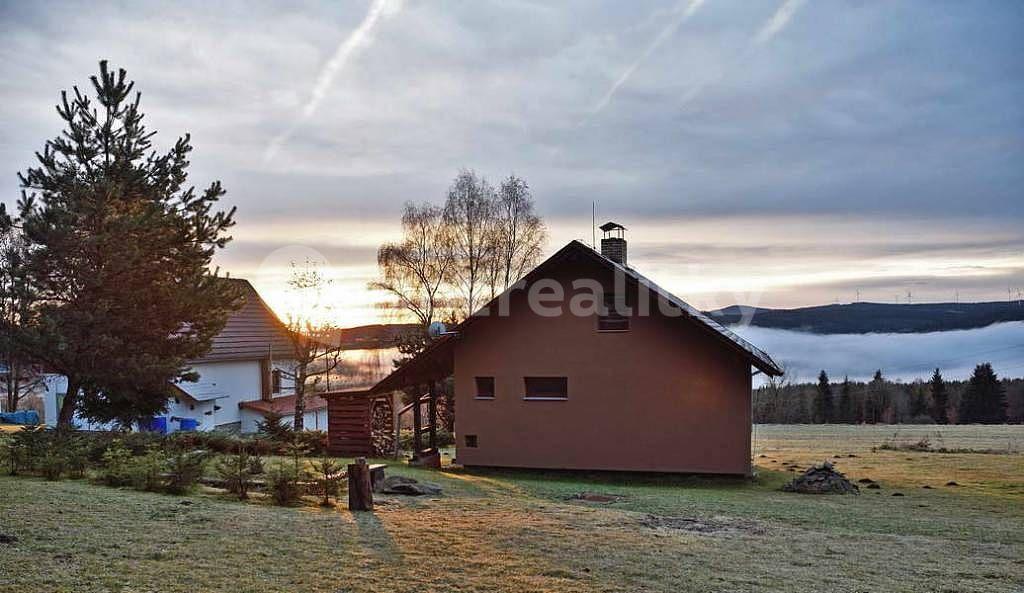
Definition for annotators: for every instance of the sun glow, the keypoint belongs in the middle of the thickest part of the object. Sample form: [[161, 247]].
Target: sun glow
[[710, 262]]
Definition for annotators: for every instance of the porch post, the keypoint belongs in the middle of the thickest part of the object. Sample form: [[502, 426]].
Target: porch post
[[396, 422], [433, 414], [417, 424]]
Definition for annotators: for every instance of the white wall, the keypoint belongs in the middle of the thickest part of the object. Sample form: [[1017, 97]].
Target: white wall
[[55, 386], [312, 420], [232, 382], [52, 384]]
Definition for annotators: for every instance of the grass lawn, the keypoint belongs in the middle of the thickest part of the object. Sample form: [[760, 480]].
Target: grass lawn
[[517, 531]]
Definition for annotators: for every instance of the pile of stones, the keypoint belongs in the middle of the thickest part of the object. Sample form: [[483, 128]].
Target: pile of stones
[[821, 478]]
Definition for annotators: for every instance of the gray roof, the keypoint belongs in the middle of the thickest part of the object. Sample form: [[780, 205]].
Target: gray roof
[[252, 332]]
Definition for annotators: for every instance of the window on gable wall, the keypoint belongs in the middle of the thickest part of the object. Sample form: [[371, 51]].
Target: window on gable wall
[[546, 387], [485, 387], [612, 320]]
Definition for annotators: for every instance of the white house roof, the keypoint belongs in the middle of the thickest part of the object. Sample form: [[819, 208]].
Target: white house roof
[[202, 390]]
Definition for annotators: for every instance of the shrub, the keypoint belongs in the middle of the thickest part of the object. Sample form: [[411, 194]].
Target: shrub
[[17, 453], [116, 469], [215, 441], [328, 479], [52, 458], [285, 479], [52, 464], [76, 452], [146, 469], [51, 453], [184, 469], [313, 442], [238, 471], [274, 428], [7, 453], [28, 448], [444, 439], [284, 483]]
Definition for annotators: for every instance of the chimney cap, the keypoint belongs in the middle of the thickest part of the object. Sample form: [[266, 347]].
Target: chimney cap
[[611, 226]]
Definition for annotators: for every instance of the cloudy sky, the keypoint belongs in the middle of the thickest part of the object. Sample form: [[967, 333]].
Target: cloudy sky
[[777, 152]]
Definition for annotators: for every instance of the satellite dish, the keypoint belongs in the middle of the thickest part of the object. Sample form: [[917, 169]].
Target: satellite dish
[[436, 329]]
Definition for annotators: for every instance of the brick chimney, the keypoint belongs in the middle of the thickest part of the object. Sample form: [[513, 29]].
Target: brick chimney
[[613, 244]]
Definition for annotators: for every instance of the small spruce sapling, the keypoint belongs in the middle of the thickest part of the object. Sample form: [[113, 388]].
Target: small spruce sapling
[[239, 470], [329, 474]]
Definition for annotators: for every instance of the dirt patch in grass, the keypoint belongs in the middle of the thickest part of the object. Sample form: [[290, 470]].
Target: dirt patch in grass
[[596, 497], [706, 526]]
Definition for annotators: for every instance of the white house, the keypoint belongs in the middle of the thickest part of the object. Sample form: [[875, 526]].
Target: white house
[[240, 378]]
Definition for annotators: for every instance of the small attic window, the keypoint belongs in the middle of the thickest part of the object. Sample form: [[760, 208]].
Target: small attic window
[[612, 320]]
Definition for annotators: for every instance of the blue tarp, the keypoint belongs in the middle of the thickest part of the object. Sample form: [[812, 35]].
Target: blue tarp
[[157, 424], [20, 417]]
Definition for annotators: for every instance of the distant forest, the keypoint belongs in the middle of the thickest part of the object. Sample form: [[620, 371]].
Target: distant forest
[[863, 318], [881, 401]]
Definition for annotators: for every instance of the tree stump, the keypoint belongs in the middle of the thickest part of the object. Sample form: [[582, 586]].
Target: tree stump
[[360, 495]]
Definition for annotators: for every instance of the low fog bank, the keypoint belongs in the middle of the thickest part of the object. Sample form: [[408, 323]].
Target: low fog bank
[[900, 356]]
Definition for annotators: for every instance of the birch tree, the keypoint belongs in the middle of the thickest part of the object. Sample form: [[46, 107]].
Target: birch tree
[[521, 234], [470, 213], [413, 270], [313, 336]]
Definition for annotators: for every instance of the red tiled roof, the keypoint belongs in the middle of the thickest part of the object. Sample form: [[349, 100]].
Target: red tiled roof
[[283, 405]]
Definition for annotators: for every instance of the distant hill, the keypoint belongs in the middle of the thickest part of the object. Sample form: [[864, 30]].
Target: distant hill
[[369, 337], [864, 318]]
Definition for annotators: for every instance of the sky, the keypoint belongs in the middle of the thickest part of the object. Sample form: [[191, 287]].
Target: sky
[[776, 153]]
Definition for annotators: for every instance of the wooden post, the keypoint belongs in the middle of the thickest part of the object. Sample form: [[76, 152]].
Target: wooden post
[[432, 412], [360, 493], [417, 425], [396, 422]]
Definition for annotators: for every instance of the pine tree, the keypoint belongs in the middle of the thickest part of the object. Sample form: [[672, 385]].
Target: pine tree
[[823, 400], [120, 252], [876, 399], [940, 399], [846, 402], [984, 400], [918, 404], [17, 300]]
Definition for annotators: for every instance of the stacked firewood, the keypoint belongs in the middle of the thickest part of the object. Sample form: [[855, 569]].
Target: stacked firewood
[[822, 478]]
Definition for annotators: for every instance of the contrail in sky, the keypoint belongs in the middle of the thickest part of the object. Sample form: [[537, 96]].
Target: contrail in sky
[[683, 11], [778, 21], [772, 27], [359, 39]]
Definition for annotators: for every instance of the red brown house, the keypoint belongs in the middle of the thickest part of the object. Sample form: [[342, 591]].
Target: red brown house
[[639, 381]]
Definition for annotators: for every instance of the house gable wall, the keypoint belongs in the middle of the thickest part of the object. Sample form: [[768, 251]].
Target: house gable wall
[[663, 396]]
